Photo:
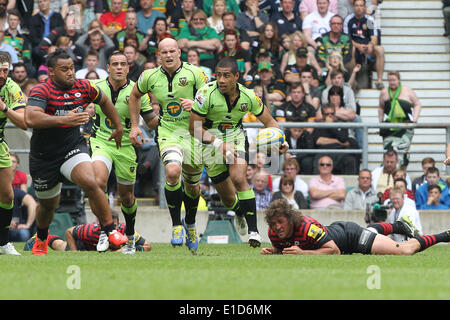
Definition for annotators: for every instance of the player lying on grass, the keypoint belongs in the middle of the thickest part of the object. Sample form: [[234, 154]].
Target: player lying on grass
[[290, 232], [84, 237]]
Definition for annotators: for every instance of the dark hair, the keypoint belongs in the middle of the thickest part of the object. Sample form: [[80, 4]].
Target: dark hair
[[228, 62], [92, 72], [336, 91], [433, 170], [116, 53], [434, 186], [18, 65], [229, 13], [5, 57], [335, 73], [282, 207], [92, 52], [390, 153], [286, 178], [53, 58], [14, 12], [401, 180]]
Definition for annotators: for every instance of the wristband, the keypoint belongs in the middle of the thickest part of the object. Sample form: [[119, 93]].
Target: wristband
[[6, 109], [217, 143]]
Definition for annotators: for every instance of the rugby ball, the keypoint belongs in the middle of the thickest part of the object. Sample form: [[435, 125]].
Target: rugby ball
[[269, 138]]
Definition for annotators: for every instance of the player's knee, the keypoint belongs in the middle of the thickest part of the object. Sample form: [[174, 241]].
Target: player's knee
[[173, 173], [127, 199]]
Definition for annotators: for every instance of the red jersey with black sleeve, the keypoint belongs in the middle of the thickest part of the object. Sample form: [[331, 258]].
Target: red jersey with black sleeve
[[310, 235], [48, 143], [89, 234]]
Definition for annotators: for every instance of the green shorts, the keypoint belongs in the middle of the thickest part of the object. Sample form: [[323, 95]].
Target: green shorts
[[124, 159], [216, 166], [5, 158], [180, 140]]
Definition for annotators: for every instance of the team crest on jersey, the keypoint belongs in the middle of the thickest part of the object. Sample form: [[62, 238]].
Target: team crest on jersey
[[243, 107], [174, 109], [132, 169], [127, 99], [183, 81]]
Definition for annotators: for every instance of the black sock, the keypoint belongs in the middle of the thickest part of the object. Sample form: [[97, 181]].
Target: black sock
[[388, 228], [174, 198], [247, 207], [190, 205], [42, 234], [108, 228], [130, 217], [5, 221]]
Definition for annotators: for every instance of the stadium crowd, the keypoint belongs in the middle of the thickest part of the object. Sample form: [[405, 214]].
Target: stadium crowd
[[305, 60]]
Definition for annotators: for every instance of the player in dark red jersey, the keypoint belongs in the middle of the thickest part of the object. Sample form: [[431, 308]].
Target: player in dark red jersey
[[292, 233], [55, 110]]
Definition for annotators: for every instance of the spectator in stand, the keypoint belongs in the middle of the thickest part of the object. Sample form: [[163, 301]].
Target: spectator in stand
[[92, 63], [399, 174], [98, 41], [114, 20], [215, 18], [273, 90], [336, 138], [292, 72], [182, 17], [8, 48], [19, 41], [296, 107], [295, 198], [317, 23], [92, 75], [135, 68], [433, 201], [335, 41], [337, 80], [309, 6], [252, 20], [400, 105], [433, 178], [24, 215], [313, 94], [28, 85], [42, 23], [301, 138], [326, 191], [92, 10], [60, 6], [345, 7], [69, 30], [232, 48], [230, 5], [401, 208], [287, 20], [146, 16], [262, 162], [74, 51], [419, 181], [193, 57], [251, 171], [130, 29], [297, 40], [292, 169], [335, 62], [149, 45], [229, 23], [19, 177], [202, 37], [362, 195], [400, 183], [382, 177], [25, 8], [261, 56], [362, 29], [19, 74], [268, 40], [263, 196]]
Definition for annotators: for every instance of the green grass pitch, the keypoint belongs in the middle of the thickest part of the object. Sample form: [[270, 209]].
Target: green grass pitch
[[222, 272]]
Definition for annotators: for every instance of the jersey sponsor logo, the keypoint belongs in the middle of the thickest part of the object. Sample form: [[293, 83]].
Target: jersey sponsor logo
[[224, 126], [174, 109], [200, 99], [204, 77], [259, 101], [108, 124], [315, 232]]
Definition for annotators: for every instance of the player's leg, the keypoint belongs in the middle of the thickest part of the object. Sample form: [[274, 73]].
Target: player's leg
[[80, 170], [48, 201], [172, 158], [402, 226], [6, 208]]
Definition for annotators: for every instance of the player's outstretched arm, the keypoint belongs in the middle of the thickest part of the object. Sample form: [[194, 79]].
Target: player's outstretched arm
[[271, 250], [35, 117], [329, 247], [15, 116], [134, 105]]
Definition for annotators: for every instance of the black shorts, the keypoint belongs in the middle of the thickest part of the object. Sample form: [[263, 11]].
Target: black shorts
[[350, 237], [47, 173]]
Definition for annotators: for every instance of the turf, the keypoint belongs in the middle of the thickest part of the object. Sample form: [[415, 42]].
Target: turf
[[222, 272]]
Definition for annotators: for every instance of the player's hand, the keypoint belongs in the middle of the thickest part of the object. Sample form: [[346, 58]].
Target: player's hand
[[266, 251], [228, 152], [186, 104], [292, 250], [2, 105], [284, 147], [117, 136], [136, 136], [74, 118]]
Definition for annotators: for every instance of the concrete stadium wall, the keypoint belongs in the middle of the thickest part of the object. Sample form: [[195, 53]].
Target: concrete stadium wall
[[154, 224]]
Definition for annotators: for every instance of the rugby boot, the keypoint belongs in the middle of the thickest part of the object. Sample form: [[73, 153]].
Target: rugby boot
[[254, 239], [177, 236], [191, 237], [39, 247], [9, 249]]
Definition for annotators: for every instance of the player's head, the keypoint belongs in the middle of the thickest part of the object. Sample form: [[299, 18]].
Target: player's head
[[5, 64], [169, 53], [61, 68], [118, 66], [227, 74], [282, 218]]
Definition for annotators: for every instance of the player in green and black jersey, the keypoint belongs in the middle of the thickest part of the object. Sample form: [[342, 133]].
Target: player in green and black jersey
[[174, 85], [216, 120], [12, 104], [105, 155]]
